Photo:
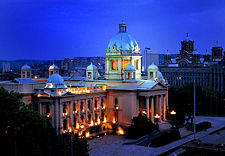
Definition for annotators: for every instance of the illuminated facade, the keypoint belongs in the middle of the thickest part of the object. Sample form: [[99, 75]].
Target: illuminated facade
[[122, 50], [91, 106]]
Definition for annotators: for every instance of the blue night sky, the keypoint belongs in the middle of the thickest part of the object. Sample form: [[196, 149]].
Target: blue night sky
[[58, 29]]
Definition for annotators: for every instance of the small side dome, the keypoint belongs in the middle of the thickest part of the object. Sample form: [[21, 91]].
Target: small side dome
[[130, 67], [160, 76], [91, 67], [53, 67], [153, 67], [26, 67], [55, 78]]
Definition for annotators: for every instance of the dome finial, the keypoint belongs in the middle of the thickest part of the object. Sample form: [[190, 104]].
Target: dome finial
[[122, 27], [187, 34]]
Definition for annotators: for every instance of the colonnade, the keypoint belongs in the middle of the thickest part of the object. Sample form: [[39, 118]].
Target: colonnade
[[156, 104], [74, 114]]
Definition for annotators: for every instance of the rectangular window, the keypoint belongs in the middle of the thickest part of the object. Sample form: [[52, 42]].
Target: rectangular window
[[125, 63], [114, 64]]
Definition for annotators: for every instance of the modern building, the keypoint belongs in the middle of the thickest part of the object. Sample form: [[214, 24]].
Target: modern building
[[90, 105], [149, 57], [5, 67], [78, 65]]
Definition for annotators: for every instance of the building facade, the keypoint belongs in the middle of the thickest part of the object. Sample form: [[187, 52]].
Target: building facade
[[90, 106], [189, 66]]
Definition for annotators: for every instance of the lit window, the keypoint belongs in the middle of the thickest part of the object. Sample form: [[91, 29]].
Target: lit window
[[114, 64], [125, 63]]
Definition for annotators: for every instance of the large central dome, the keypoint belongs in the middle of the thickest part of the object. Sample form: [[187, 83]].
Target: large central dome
[[122, 41]]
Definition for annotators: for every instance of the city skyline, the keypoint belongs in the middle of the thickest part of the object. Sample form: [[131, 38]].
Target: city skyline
[[58, 30]]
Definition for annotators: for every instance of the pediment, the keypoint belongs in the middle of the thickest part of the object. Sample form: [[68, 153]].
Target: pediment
[[159, 86]]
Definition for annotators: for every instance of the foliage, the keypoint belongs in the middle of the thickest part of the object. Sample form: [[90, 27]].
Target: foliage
[[202, 126], [74, 144], [181, 99], [140, 127], [166, 138], [25, 132]]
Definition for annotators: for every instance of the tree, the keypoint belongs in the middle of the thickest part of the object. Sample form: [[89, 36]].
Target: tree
[[140, 127], [25, 132]]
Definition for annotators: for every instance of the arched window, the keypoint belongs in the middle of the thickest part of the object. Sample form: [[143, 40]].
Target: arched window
[[74, 122], [96, 103], [89, 118], [89, 104], [64, 124]]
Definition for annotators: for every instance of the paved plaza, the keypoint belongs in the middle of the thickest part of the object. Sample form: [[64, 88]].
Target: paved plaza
[[111, 145]]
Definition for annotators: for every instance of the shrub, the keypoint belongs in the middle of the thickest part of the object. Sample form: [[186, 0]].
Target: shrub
[[165, 138], [202, 126], [141, 126]]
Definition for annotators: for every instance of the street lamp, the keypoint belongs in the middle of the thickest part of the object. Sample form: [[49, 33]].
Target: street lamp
[[157, 117], [173, 113]]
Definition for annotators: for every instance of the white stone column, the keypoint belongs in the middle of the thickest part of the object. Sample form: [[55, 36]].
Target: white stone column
[[71, 114], [86, 107], [164, 107], [60, 118], [147, 105], [79, 101], [152, 109], [93, 108], [100, 106], [160, 106]]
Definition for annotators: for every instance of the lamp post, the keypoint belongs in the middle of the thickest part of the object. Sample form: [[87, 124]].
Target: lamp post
[[157, 117], [173, 113]]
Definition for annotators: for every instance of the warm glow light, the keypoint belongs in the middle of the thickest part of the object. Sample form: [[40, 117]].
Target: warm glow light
[[104, 119], [35, 77], [143, 112], [87, 134], [40, 95], [117, 107], [98, 121], [48, 115], [114, 121], [70, 130], [82, 126], [59, 92], [157, 116], [77, 125], [65, 114], [92, 123], [120, 131], [173, 112]]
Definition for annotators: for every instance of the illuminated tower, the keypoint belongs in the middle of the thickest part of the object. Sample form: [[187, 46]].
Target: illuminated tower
[[122, 50]]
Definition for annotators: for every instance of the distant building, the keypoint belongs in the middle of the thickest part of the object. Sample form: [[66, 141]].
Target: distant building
[[148, 58], [188, 66], [5, 67], [79, 65]]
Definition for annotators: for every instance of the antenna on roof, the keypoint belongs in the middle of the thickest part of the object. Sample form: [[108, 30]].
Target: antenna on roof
[[187, 34]]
